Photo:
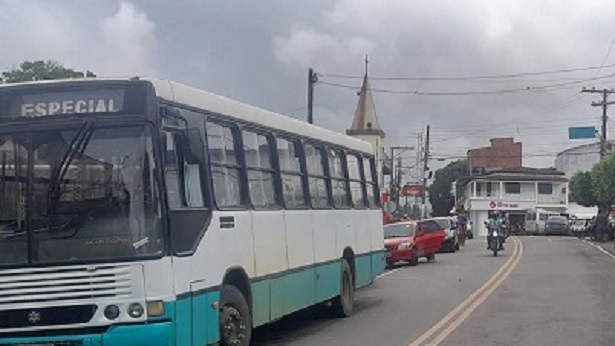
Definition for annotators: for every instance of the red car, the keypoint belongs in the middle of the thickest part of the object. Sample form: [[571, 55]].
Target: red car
[[410, 240]]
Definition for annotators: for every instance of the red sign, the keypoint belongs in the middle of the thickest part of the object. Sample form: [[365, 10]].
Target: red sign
[[503, 205], [412, 190]]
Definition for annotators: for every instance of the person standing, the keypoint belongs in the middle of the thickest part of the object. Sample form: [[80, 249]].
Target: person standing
[[462, 222], [386, 217]]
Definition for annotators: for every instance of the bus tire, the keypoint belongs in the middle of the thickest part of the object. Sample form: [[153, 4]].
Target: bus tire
[[344, 303], [235, 321]]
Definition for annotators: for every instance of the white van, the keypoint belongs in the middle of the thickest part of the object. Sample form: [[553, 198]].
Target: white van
[[535, 220]]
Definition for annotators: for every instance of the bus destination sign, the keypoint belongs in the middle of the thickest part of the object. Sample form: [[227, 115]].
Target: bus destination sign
[[71, 102]]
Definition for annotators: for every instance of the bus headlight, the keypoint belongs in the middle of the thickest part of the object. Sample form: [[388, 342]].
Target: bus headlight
[[112, 312], [135, 310], [155, 308]]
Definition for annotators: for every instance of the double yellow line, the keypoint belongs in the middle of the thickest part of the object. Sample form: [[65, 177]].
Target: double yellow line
[[455, 318]]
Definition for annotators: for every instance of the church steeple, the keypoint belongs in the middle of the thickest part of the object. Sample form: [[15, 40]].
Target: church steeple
[[365, 120]]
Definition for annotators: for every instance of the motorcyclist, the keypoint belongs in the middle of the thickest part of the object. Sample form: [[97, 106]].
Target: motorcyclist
[[495, 223]]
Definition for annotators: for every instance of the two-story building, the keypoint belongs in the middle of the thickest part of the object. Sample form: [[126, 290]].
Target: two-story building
[[513, 191]]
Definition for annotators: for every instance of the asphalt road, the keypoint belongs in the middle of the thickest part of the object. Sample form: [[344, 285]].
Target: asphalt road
[[540, 291]]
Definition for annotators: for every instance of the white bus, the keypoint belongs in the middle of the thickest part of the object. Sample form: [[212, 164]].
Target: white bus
[[146, 212]]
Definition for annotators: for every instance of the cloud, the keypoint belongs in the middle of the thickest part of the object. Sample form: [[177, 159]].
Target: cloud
[[451, 38], [109, 39], [129, 40], [260, 55]]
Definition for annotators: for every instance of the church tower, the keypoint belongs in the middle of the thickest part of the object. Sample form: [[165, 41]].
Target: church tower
[[365, 125]]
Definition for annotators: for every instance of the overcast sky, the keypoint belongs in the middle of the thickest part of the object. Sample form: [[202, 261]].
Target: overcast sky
[[259, 52]]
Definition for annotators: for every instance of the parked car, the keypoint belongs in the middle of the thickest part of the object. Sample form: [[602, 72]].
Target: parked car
[[451, 240], [578, 225], [410, 240], [557, 225]]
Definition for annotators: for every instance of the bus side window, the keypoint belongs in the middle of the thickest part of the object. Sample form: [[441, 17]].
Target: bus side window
[[317, 180], [225, 167], [357, 182], [182, 174], [172, 173], [339, 182]]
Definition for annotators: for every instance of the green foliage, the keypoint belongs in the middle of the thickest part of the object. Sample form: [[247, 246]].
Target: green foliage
[[582, 189], [603, 181], [41, 70], [440, 196]]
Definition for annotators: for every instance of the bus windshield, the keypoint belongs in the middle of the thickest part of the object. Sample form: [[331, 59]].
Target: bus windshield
[[78, 194]]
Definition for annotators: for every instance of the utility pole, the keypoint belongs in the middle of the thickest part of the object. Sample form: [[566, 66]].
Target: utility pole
[[425, 165], [392, 180], [312, 79], [395, 182], [398, 182], [604, 104]]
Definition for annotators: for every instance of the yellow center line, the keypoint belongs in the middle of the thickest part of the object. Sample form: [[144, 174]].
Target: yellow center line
[[428, 334], [455, 324]]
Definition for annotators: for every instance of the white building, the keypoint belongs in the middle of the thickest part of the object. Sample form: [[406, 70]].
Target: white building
[[514, 192], [580, 158]]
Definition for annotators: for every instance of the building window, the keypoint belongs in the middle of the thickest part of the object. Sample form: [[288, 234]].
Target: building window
[[512, 188], [545, 188], [478, 188], [488, 189]]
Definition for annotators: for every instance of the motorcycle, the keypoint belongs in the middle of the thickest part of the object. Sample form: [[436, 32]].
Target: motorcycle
[[495, 241]]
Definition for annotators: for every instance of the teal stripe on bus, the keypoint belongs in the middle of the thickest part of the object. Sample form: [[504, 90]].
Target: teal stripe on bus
[[196, 319]]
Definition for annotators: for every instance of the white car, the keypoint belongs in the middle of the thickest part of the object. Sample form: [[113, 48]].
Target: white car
[[451, 241]]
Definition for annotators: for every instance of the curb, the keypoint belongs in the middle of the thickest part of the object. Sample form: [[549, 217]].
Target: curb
[[606, 246]]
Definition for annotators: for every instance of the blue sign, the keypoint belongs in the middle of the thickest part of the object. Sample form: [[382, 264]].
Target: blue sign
[[582, 132]]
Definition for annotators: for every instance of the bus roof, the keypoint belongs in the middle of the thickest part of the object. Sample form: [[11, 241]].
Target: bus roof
[[183, 94], [187, 95]]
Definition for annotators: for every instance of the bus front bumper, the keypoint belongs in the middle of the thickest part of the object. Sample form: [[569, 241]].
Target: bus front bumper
[[153, 334]]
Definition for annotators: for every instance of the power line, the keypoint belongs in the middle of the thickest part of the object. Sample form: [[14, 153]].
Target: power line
[[496, 76], [606, 57], [528, 89]]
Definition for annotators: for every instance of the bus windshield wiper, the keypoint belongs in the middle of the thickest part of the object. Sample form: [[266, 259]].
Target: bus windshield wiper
[[76, 146]]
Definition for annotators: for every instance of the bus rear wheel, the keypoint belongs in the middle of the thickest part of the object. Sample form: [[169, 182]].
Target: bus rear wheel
[[344, 303], [234, 320]]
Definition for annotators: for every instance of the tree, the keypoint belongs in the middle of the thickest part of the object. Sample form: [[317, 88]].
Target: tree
[[603, 181], [582, 189], [440, 196], [41, 70]]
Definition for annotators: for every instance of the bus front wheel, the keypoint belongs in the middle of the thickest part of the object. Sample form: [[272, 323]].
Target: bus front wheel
[[344, 303], [235, 320]]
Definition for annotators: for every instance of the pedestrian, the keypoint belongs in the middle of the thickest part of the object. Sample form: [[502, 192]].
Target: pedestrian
[[386, 217], [462, 222]]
